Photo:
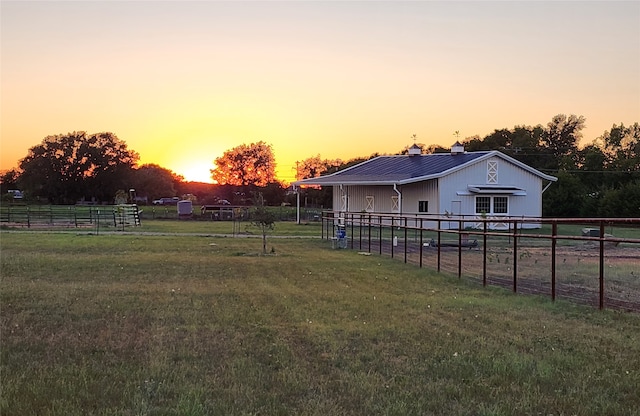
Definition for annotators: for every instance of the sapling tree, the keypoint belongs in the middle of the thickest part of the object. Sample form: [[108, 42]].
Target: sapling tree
[[262, 218]]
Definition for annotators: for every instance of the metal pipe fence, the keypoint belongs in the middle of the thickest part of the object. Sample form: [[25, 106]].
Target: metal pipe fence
[[112, 215], [76, 216], [587, 260]]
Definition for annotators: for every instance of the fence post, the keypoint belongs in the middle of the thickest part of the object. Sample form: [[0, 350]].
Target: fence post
[[380, 233], [360, 231], [484, 252], [601, 271], [554, 233], [352, 219], [459, 249], [515, 255], [369, 233], [421, 242], [405, 239], [392, 235], [439, 242]]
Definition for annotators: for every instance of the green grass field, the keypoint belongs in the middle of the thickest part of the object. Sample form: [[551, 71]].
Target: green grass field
[[203, 325]]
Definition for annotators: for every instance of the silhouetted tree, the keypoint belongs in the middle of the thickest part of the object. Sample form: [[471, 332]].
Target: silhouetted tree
[[622, 202], [622, 147], [65, 168], [561, 139], [591, 164], [273, 193], [312, 168], [565, 197], [315, 166], [154, 181], [9, 180], [525, 142]]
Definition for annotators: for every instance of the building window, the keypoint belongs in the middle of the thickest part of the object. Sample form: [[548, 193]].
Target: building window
[[500, 205], [423, 206], [492, 205], [483, 205], [370, 206]]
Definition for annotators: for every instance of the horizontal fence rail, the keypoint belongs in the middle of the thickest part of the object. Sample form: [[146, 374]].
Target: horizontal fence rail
[[111, 215], [106, 216], [595, 261]]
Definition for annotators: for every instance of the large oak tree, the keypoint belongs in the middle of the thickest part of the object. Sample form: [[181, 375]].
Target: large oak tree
[[66, 168], [246, 165]]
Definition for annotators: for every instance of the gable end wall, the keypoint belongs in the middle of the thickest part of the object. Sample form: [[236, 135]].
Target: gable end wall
[[508, 175]]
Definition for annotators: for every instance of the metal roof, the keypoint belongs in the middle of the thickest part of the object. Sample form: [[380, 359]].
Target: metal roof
[[403, 169]]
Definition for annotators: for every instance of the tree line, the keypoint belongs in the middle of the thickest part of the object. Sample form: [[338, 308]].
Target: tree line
[[95, 168], [600, 179]]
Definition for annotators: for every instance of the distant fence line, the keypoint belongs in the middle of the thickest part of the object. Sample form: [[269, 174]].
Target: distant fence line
[[588, 260], [125, 215], [132, 215]]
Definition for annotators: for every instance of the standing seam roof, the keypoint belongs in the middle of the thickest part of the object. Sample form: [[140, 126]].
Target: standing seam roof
[[402, 168], [408, 167]]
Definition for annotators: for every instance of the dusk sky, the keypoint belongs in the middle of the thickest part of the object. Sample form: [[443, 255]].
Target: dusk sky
[[181, 82]]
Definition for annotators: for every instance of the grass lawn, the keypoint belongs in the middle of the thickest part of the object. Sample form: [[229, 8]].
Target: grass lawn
[[187, 325]]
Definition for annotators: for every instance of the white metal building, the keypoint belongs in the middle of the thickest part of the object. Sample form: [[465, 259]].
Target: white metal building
[[459, 184]]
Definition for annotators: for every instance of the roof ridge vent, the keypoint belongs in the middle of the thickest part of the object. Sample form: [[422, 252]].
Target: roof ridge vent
[[457, 148]]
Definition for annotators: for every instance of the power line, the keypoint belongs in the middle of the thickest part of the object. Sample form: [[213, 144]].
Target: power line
[[590, 171]]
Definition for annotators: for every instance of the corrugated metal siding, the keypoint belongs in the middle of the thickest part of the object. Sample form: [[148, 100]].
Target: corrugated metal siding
[[383, 197], [357, 196], [336, 199], [422, 191], [508, 175], [341, 200]]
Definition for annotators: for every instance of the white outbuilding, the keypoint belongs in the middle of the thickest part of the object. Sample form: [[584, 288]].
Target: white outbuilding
[[468, 185]]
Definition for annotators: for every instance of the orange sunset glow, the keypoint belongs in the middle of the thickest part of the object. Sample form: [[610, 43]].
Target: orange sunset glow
[[181, 82]]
